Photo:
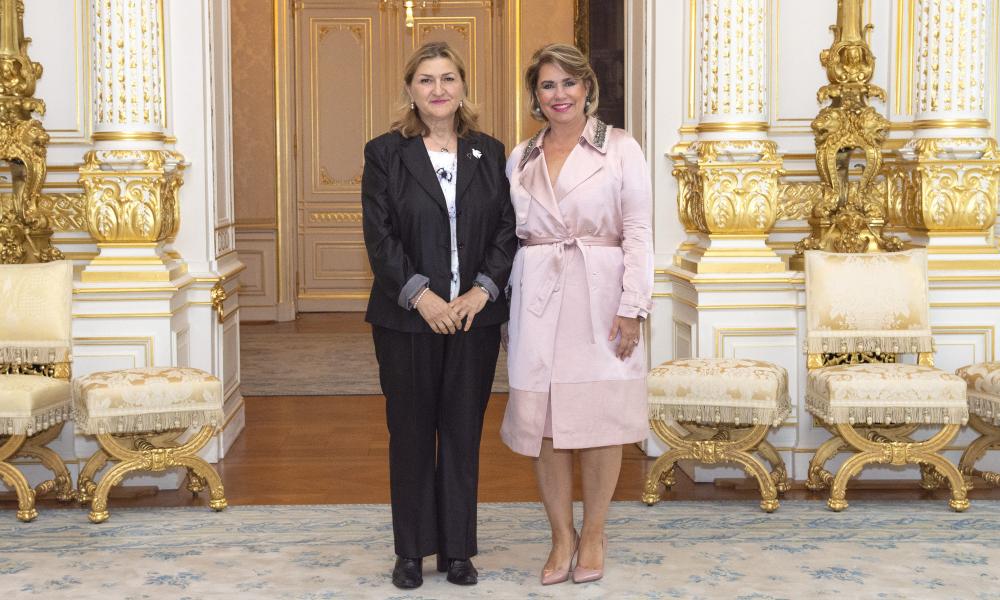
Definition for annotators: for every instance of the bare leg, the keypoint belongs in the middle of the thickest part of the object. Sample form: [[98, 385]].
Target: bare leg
[[554, 469], [599, 468]]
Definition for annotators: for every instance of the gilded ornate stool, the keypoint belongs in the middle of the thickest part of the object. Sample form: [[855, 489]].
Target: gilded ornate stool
[[726, 407], [35, 398], [138, 416], [862, 312], [983, 380]]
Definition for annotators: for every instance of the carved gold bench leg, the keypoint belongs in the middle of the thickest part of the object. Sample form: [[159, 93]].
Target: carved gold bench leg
[[872, 451], [719, 448], [145, 455], [989, 439], [86, 484], [778, 471], [818, 477], [662, 472], [35, 447], [16, 480]]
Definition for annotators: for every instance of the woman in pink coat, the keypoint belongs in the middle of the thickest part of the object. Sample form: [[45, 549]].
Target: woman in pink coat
[[580, 286]]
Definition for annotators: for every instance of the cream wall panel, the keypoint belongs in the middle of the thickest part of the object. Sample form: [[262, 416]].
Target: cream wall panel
[[92, 354]]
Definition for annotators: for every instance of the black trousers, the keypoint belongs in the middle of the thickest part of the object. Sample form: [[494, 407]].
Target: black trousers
[[436, 388]]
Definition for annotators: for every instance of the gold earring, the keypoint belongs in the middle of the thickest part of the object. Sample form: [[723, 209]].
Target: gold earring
[[460, 104]]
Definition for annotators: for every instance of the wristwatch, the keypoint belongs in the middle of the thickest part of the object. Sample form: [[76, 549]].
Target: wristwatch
[[482, 287]]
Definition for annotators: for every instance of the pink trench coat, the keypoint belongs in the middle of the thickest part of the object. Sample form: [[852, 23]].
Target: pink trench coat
[[586, 256]]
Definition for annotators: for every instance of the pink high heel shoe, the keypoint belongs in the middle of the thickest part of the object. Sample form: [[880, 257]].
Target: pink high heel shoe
[[582, 575], [553, 576]]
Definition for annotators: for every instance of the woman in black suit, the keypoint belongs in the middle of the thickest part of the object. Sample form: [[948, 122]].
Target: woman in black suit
[[439, 229]]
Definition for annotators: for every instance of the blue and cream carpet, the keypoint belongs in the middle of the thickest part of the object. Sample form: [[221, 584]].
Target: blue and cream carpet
[[686, 550]]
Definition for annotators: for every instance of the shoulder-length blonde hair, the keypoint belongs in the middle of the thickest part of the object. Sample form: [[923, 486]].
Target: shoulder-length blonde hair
[[409, 122], [569, 59]]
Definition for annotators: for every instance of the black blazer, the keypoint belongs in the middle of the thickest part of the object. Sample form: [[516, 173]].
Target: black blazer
[[406, 228]]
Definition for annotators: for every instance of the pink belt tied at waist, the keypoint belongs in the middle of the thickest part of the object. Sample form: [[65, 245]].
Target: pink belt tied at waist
[[557, 271]]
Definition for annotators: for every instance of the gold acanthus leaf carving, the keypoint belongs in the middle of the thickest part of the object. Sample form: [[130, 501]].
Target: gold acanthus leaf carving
[[132, 195], [728, 187]]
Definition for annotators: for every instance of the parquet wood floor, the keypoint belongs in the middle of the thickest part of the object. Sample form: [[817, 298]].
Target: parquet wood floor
[[319, 450]]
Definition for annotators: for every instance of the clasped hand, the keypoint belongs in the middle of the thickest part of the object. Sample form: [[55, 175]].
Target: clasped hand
[[447, 317]]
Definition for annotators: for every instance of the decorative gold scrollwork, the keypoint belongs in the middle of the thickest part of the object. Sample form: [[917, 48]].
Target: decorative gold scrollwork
[[131, 195], [219, 297], [850, 216], [719, 198], [25, 235]]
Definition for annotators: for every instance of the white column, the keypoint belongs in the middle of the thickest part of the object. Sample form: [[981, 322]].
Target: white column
[[952, 50], [128, 70], [734, 69], [130, 178], [953, 207], [728, 178]]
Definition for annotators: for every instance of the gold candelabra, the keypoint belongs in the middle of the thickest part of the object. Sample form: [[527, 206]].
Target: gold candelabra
[[850, 216], [25, 235]]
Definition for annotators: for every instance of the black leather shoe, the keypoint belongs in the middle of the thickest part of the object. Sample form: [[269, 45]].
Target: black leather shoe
[[408, 573], [461, 571]]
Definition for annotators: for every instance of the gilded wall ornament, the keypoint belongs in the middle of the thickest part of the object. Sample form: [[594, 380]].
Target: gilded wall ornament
[[951, 185], [850, 216], [25, 235], [131, 195], [729, 187]]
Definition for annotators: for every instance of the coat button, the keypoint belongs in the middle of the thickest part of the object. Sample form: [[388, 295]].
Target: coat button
[[461, 246]]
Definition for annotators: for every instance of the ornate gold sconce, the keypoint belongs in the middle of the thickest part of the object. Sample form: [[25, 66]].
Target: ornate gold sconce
[[25, 234], [851, 215]]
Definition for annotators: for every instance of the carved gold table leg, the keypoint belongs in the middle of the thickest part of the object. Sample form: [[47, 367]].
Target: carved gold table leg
[[989, 439], [710, 451], [35, 447], [145, 455], [16, 480], [871, 451]]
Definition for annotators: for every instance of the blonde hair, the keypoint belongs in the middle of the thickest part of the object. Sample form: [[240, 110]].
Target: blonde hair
[[409, 122], [569, 59]]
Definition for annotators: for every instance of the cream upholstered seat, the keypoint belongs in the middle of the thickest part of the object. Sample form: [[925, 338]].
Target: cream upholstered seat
[[886, 394], [137, 416], [727, 407], [35, 341], [29, 403], [862, 312], [983, 380]]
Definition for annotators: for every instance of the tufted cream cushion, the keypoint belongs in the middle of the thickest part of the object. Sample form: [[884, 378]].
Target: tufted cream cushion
[[149, 399], [984, 389], [867, 302], [719, 390], [32, 403], [35, 312], [886, 393]]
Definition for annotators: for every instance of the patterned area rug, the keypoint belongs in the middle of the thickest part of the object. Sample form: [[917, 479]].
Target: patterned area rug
[[688, 550], [316, 364]]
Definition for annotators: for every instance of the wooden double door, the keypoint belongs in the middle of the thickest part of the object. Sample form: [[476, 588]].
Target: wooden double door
[[349, 57]]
